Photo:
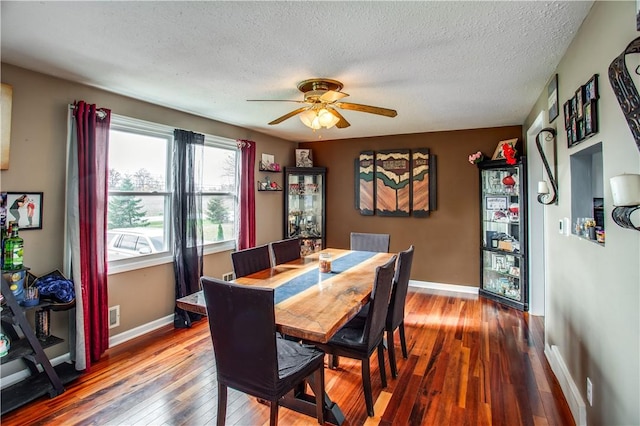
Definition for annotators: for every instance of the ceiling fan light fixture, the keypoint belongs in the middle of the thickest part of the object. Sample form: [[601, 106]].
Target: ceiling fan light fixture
[[317, 118], [307, 117], [327, 119]]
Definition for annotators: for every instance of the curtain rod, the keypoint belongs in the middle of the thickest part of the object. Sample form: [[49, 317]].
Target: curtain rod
[[99, 112]]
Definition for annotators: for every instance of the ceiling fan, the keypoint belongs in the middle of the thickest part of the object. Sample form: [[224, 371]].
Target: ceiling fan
[[321, 96]]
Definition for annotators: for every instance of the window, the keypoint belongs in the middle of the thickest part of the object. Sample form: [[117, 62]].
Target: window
[[140, 194], [218, 191]]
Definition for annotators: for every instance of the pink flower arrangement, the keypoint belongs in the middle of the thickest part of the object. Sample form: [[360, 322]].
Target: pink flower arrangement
[[476, 158]]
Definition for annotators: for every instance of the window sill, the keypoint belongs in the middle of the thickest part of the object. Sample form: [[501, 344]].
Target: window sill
[[161, 259]]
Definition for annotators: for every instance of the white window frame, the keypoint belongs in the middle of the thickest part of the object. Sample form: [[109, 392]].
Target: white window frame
[[132, 125]]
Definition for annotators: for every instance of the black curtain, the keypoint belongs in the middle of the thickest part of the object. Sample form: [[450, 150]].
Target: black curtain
[[187, 219]]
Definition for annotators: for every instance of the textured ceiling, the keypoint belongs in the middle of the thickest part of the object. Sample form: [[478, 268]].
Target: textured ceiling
[[441, 65]]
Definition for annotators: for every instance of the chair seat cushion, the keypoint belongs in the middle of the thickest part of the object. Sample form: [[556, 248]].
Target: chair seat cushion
[[364, 312], [292, 356], [351, 335]]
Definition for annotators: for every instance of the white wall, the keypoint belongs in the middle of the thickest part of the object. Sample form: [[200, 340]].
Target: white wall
[[593, 292]]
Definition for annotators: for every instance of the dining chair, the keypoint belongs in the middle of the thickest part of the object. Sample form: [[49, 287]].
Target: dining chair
[[248, 261], [395, 313], [249, 356], [359, 339], [370, 242], [285, 250]]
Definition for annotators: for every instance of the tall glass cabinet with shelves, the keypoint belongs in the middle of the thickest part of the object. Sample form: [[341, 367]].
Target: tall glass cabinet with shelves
[[503, 252], [304, 207]]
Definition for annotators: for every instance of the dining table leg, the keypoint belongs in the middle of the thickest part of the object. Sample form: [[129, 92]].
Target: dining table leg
[[299, 400]]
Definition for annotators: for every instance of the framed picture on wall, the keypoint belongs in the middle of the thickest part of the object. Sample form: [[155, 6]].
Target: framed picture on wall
[[579, 101], [304, 158], [591, 88], [590, 118], [567, 114], [25, 208], [6, 99]]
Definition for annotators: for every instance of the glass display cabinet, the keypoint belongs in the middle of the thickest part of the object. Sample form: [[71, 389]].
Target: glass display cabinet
[[304, 207], [503, 254]]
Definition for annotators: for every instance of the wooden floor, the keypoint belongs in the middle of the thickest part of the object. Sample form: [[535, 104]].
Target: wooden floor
[[471, 362]]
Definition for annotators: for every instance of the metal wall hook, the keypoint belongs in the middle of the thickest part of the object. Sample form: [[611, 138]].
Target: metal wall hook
[[548, 134]]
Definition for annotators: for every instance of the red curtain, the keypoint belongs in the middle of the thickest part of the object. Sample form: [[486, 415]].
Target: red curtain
[[247, 219], [93, 146]]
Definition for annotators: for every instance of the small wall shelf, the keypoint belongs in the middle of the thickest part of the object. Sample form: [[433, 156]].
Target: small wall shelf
[[260, 169], [268, 186]]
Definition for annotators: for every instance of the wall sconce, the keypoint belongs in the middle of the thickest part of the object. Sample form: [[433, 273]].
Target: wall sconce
[[544, 195], [625, 190]]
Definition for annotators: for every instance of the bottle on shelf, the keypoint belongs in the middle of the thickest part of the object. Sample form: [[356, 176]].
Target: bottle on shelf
[[3, 237], [13, 250]]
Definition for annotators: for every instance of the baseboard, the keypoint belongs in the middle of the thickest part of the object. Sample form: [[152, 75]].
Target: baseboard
[[23, 374], [567, 384], [139, 331], [444, 287]]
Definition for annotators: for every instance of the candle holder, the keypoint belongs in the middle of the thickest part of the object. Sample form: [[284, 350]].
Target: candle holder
[[625, 190]]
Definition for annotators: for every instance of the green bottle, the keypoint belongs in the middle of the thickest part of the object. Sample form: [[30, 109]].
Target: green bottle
[[13, 250], [3, 236]]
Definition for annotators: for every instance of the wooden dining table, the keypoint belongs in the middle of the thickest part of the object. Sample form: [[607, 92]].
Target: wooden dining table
[[312, 305]]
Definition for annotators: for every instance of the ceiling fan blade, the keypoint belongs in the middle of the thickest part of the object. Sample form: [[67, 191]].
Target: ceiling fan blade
[[367, 108], [332, 96], [275, 100], [343, 122], [286, 116]]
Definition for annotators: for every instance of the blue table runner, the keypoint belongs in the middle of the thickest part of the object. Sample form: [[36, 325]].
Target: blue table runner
[[313, 277]]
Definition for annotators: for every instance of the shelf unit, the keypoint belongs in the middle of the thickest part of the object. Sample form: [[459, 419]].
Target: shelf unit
[[304, 207], [260, 188], [503, 222], [30, 349]]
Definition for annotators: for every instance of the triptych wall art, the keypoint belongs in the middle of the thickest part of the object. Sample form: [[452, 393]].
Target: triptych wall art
[[398, 182]]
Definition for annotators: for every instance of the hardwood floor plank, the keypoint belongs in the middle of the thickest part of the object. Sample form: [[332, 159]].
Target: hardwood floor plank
[[471, 362]]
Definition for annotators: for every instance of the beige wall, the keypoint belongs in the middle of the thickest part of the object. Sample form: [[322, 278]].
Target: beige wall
[[448, 241], [38, 163], [593, 293]]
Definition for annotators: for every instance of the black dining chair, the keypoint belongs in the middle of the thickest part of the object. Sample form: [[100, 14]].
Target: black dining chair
[[248, 261], [395, 313], [285, 250], [249, 356], [359, 339], [370, 242]]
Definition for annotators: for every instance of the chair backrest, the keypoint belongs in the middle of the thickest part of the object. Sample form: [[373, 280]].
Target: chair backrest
[[285, 250], [400, 285], [370, 242], [375, 322], [248, 261], [243, 331]]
